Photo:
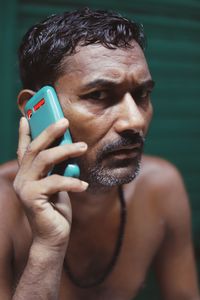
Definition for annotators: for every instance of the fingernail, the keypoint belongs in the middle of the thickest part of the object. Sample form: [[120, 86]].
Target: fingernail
[[82, 145], [84, 185], [22, 120], [62, 122]]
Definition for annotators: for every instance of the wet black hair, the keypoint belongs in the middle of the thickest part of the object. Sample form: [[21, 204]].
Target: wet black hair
[[47, 43]]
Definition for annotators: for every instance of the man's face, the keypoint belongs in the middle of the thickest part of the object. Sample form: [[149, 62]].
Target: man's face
[[105, 95]]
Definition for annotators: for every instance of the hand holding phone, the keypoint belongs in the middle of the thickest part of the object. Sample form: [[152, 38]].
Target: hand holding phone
[[45, 198], [42, 110]]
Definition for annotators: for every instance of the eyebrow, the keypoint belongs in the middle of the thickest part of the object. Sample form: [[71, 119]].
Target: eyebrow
[[99, 82], [146, 84], [109, 83]]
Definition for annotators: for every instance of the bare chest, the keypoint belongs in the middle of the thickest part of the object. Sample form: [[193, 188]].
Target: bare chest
[[128, 274], [124, 286], [142, 237]]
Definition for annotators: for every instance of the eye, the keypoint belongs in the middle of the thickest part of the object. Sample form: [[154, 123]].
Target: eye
[[145, 94], [141, 95], [96, 95]]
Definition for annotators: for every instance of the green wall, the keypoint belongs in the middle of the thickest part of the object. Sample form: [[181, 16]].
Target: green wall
[[173, 31]]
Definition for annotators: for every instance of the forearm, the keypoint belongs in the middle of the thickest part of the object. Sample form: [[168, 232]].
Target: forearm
[[41, 277]]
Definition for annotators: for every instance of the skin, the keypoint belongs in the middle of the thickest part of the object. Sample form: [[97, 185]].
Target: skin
[[37, 232]]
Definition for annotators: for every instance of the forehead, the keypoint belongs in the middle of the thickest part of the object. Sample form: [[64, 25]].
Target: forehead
[[94, 61]]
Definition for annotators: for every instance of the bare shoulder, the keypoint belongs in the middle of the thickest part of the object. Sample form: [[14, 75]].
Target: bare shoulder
[[160, 175], [8, 170], [13, 219], [160, 170], [165, 185], [10, 208], [7, 213], [15, 234]]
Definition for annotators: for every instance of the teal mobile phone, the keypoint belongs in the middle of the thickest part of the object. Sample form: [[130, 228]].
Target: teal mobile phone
[[41, 111]]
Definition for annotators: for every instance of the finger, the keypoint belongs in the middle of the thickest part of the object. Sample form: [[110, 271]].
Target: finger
[[46, 159], [56, 183], [24, 138], [42, 141], [49, 135]]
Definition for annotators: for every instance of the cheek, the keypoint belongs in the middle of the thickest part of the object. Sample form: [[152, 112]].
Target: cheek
[[86, 124]]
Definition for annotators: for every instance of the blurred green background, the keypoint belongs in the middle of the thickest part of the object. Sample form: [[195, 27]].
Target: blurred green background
[[173, 53]]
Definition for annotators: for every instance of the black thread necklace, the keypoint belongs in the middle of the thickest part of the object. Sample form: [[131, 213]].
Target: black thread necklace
[[115, 255]]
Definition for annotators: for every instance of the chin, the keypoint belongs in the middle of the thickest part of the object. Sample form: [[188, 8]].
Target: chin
[[104, 177]]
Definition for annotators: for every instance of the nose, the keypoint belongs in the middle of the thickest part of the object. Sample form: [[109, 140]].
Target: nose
[[130, 116]]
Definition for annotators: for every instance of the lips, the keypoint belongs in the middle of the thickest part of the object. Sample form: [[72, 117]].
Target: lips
[[126, 151]]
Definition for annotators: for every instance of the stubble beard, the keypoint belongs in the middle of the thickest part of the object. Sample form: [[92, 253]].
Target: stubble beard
[[101, 175], [105, 177]]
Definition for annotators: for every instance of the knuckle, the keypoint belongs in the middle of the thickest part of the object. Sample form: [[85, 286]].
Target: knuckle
[[43, 161], [19, 155], [31, 150], [42, 157], [16, 185], [26, 192], [19, 187], [18, 152]]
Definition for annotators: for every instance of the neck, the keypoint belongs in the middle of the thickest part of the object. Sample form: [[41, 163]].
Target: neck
[[87, 205], [90, 279]]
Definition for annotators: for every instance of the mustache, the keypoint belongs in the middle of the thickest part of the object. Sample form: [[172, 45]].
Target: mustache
[[128, 138]]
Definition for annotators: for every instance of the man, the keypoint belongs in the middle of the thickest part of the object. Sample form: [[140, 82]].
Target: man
[[93, 237]]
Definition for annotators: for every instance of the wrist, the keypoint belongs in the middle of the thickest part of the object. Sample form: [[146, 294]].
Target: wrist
[[43, 251]]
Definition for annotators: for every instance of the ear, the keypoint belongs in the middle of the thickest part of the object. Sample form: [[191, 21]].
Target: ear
[[22, 99]]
